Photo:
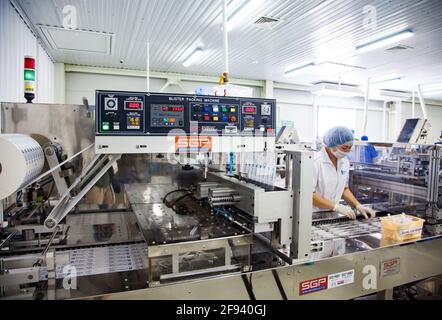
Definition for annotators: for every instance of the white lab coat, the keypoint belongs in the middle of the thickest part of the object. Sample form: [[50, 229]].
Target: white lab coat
[[329, 182]]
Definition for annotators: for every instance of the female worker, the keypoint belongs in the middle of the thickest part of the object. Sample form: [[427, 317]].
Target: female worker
[[330, 175]]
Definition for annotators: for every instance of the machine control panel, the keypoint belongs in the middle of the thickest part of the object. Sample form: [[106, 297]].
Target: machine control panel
[[157, 114], [122, 113], [166, 116]]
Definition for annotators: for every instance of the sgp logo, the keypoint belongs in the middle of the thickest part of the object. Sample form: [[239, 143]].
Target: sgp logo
[[197, 143], [313, 285]]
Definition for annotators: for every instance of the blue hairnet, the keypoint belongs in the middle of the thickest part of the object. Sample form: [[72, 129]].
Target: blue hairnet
[[337, 136]]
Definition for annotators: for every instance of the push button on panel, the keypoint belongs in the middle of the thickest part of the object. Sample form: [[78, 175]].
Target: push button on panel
[[105, 126]]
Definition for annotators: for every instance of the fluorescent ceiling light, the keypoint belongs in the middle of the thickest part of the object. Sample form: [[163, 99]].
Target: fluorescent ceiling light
[[333, 89], [389, 95], [433, 92], [432, 87], [298, 70], [328, 68], [242, 13], [195, 55], [387, 78], [339, 93], [384, 41]]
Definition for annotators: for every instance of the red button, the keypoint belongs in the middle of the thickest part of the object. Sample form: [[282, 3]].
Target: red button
[[232, 119], [206, 118], [269, 130]]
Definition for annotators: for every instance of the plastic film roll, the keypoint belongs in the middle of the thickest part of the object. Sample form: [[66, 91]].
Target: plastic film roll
[[21, 161]]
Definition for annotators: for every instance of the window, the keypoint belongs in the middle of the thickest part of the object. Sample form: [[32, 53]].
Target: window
[[329, 117]]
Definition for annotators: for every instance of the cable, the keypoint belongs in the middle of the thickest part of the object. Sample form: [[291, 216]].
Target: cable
[[49, 193], [182, 197], [169, 193]]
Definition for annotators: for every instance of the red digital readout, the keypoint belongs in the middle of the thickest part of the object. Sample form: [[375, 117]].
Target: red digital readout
[[133, 105], [172, 108], [249, 109]]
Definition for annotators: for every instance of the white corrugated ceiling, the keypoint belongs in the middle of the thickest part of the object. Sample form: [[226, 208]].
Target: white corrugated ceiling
[[309, 31]]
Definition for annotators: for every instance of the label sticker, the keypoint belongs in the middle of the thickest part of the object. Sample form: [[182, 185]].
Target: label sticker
[[313, 285], [327, 282], [410, 231], [197, 143], [341, 278], [390, 267]]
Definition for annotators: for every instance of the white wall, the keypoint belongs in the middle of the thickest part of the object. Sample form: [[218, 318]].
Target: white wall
[[79, 85], [298, 106], [17, 41]]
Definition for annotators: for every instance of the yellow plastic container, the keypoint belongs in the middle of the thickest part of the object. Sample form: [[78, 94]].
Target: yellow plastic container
[[401, 227]]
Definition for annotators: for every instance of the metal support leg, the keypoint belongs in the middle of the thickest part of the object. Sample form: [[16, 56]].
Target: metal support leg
[[50, 264], [175, 263], [386, 294]]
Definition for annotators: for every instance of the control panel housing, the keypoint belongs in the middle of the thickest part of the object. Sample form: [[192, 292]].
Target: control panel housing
[[163, 114]]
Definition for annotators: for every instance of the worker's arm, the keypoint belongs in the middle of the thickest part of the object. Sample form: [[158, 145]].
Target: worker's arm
[[322, 203], [353, 202], [349, 197]]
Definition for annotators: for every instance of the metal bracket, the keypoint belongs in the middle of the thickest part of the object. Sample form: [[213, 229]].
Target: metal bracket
[[67, 201], [52, 159]]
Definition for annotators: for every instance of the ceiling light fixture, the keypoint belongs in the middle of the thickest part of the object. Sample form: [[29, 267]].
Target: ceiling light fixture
[[432, 87], [338, 93], [298, 70], [195, 55], [384, 79], [332, 89], [384, 41], [242, 13], [433, 92]]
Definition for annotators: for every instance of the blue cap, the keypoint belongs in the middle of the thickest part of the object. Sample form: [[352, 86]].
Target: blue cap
[[337, 136], [364, 138]]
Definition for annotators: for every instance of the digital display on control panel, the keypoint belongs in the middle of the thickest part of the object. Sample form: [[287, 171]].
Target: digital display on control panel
[[249, 109], [133, 122], [133, 105], [166, 116]]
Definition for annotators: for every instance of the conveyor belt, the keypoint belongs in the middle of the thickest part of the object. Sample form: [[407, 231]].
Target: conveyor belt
[[345, 229], [99, 260]]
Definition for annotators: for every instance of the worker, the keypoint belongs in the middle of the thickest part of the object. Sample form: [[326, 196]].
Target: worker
[[103, 192], [439, 140], [368, 152], [330, 176]]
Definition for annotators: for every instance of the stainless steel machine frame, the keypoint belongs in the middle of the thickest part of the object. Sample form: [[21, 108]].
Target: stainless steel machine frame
[[369, 269], [291, 268]]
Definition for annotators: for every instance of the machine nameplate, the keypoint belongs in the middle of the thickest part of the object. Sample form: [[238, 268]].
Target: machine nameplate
[[390, 267]]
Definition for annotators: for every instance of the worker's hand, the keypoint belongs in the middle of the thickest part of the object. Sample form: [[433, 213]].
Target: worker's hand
[[345, 210], [365, 211]]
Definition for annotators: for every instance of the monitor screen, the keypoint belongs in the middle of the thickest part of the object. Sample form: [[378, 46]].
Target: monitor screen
[[407, 130]]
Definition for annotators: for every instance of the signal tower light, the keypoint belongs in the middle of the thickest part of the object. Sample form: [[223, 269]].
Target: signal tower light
[[29, 78]]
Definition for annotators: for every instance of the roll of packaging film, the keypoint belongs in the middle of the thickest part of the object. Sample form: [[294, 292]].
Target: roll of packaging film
[[21, 160]]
